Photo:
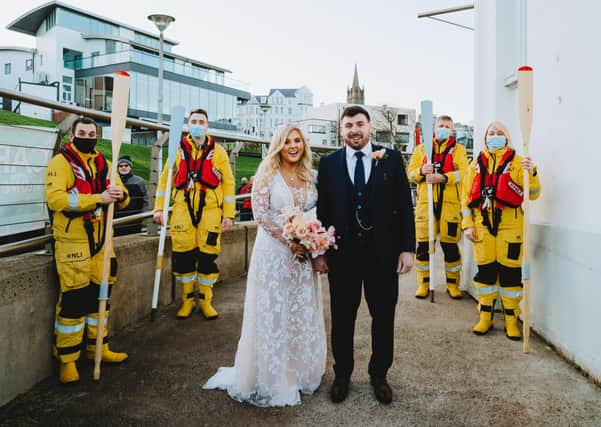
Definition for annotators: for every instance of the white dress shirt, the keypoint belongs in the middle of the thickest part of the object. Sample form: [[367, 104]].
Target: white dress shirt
[[351, 161]]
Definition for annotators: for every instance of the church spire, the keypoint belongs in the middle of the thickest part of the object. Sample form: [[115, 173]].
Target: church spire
[[356, 79], [356, 94]]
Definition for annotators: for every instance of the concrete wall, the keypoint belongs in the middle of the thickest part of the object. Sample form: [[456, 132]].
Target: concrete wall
[[566, 227], [28, 293]]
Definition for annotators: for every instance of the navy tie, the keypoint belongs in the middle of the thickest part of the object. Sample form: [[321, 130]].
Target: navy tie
[[359, 171]]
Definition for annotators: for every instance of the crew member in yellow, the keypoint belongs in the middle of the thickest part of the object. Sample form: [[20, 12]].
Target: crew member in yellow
[[446, 173], [494, 221], [204, 206], [78, 191]]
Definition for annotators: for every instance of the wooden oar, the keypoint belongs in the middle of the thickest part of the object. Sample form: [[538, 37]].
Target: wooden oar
[[175, 135], [428, 130], [121, 85], [525, 105]]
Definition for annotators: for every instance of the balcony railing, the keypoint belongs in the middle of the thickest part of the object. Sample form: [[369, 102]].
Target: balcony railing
[[185, 69]]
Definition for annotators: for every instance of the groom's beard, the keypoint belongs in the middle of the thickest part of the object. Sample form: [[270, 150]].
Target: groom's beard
[[356, 140]]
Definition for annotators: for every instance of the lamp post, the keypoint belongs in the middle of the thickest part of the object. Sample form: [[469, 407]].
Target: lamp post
[[161, 22], [264, 110]]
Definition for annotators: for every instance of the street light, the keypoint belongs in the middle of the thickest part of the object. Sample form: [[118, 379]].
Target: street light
[[161, 22]]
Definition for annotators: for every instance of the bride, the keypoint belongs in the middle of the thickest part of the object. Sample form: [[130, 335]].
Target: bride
[[282, 348]]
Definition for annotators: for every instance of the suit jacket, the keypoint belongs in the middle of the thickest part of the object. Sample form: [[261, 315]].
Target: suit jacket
[[391, 205]]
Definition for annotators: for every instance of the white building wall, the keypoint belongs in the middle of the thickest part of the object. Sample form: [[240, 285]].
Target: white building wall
[[559, 42], [17, 60]]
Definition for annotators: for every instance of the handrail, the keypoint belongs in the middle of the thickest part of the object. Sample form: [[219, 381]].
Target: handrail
[[36, 242], [100, 115]]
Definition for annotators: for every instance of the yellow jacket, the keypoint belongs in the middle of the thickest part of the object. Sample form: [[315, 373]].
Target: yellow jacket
[[452, 191], [60, 178], [221, 198], [510, 217]]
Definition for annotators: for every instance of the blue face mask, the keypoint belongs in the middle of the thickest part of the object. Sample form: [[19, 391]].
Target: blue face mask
[[495, 142], [443, 133], [197, 131]]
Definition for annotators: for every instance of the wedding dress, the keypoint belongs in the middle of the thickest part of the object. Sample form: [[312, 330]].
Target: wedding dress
[[282, 347]]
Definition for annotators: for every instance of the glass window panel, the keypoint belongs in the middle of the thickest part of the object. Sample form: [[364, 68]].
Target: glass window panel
[[203, 101], [220, 106], [133, 90], [142, 92], [212, 104], [175, 93], [153, 93], [186, 96]]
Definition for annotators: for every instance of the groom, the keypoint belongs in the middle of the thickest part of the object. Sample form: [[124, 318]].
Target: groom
[[364, 193]]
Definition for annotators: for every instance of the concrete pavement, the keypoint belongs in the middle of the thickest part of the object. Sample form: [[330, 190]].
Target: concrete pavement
[[442, 375]]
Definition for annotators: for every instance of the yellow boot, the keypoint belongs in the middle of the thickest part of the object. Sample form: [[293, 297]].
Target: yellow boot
[[453, 291], [487, 296], [485, 324], [205, 296], [423, 280], [67, 373], [511, 296], [187, 306], [453, 273], [108, 356]]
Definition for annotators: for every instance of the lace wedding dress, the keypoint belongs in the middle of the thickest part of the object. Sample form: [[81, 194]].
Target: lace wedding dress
[[282, 348]]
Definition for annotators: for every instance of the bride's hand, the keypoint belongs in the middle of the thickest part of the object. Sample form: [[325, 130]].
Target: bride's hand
[[299, 250]]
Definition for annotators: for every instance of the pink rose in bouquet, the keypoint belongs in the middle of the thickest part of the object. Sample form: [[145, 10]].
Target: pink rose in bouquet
[[309, 233]]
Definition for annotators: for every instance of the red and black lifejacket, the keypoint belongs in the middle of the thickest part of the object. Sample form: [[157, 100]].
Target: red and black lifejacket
[[201, 170], [495, 191], [443, 163], [85, 183]]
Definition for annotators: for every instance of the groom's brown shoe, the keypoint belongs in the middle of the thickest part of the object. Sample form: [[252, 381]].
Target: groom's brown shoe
[[339, 390], [382, 390]]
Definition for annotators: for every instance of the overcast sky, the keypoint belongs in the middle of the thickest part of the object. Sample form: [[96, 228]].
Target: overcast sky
[[275, 43]]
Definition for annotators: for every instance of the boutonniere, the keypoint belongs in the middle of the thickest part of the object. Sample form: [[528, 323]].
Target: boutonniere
[[379, 155]]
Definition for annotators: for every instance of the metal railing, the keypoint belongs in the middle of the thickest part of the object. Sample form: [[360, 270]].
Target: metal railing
[[39, 241]]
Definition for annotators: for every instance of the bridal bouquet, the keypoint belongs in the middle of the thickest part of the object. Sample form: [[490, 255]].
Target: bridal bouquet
[[309, 233]]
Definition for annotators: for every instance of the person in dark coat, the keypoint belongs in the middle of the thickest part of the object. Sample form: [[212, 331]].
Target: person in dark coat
[[138, 194]]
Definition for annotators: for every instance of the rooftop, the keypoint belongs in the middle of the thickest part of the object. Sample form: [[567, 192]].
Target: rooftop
[[29, 22]]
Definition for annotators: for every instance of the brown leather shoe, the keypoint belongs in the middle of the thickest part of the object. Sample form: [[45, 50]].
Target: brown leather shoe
[[339, 390], [382, 390]]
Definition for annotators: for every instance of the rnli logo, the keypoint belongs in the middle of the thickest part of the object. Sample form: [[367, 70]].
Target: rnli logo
[[515, 188], [178, 227], [73, 256]]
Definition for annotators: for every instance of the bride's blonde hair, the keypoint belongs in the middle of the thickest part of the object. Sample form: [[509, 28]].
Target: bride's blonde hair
[[271, 163]]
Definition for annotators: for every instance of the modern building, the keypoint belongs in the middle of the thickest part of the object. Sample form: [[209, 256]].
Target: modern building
[[391, 126], [262, 114], [79, 51], [565, 226]]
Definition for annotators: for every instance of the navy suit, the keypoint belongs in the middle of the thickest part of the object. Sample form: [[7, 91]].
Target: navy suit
[[373, 225]]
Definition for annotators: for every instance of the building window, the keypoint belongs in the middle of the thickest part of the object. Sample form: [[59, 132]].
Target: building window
[[28, 64], [50, 20], [403, 120], [317, 129], [67, 79], [7, 68]]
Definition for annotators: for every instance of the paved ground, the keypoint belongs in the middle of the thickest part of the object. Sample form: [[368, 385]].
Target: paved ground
[[442, 375]]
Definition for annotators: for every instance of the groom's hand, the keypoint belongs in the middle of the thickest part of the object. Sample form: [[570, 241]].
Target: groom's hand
[[406, 261], [320, 264]]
